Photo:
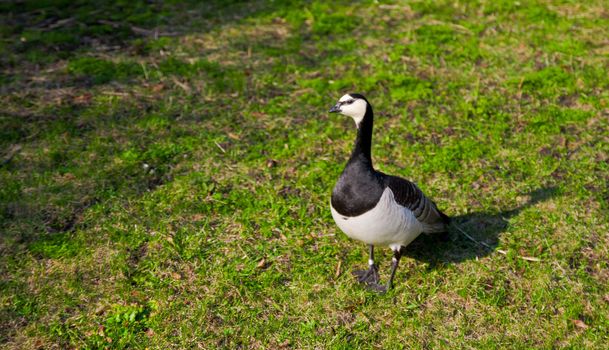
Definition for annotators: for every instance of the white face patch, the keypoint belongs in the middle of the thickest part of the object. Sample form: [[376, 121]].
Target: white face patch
[[355, 109], [345, 98]]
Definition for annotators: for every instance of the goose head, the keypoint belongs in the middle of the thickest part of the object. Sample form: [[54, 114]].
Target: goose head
[[352, 105]]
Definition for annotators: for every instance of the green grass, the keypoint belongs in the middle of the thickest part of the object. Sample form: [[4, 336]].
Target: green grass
[[166, 170]]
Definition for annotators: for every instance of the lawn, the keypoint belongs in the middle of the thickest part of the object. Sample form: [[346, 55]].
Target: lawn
[[166, 170]]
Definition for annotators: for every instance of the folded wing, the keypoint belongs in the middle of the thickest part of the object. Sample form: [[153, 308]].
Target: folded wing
[[408, 195]]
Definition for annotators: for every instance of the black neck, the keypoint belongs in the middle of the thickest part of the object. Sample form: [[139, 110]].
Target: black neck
[[363, 142]]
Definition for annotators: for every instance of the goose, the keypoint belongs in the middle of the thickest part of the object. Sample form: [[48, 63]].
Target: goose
[[376, 208]]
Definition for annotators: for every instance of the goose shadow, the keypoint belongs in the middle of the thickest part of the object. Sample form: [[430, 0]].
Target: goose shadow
[[484, 226]]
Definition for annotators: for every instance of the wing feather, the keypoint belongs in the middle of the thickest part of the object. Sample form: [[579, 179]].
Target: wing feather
[[408, 195]]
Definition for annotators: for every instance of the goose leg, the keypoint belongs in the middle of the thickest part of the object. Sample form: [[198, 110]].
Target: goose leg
[[370, 276], [397, 255]]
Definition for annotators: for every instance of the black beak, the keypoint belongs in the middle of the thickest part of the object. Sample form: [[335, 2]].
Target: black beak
[[335, 109]]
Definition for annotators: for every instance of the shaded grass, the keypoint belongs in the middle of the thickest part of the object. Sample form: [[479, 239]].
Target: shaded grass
[[171, 189]]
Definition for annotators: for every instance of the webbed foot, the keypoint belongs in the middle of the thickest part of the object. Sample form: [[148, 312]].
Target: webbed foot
[[370, 276]]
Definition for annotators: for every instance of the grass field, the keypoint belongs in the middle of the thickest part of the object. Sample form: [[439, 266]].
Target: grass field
[[166, 169]]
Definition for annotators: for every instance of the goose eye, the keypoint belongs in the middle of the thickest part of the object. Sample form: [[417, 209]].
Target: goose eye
[[350, 102]]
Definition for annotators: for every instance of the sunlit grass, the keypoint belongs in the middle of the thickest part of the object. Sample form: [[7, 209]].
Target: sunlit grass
[[166, 171]]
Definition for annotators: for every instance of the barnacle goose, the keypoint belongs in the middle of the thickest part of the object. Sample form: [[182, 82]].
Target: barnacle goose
[[376, 208]]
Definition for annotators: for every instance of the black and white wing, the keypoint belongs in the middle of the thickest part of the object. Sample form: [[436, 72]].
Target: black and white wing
[[408, 195]]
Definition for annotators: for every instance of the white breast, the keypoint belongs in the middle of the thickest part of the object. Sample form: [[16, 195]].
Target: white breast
[[388, 223]]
